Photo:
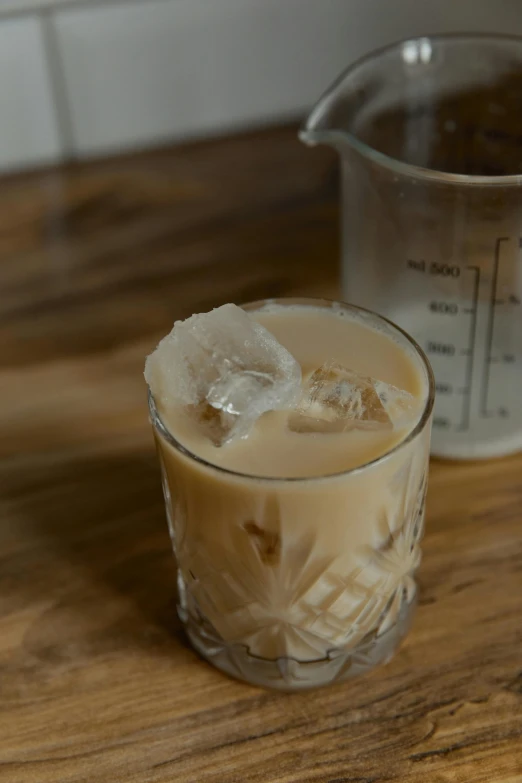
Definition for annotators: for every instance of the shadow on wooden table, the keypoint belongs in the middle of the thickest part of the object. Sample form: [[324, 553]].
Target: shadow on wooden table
[[102, 572]]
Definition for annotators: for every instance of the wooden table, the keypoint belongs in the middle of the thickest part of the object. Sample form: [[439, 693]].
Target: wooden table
[[97, 681]]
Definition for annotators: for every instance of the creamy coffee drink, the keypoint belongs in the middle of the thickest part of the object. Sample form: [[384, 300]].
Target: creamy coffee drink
[[293, 439]]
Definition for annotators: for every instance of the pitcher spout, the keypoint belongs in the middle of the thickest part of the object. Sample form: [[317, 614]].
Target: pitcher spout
[[318, 129], [329, 121]]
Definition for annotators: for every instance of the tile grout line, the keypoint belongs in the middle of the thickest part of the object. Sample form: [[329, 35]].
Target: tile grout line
[[59, 96], [56, 6]]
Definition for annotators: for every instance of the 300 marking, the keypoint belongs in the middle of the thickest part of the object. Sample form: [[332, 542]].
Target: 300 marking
[[441, 349]]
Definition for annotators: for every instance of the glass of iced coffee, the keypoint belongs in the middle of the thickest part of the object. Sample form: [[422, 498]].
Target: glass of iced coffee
[[293, 438]]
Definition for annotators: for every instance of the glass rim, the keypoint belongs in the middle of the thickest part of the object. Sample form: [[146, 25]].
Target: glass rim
[[311, 134], [162, 430]]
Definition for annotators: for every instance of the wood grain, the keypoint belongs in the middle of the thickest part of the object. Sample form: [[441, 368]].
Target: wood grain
[[97, 682]]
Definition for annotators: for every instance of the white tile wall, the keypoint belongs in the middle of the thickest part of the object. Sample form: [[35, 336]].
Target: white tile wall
[[192, 66], [136, 72], [160, 69], [28, 127]]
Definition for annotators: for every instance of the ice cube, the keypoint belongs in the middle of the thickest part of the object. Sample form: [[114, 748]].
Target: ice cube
[[225, 370], [336, 399], [401, 406]]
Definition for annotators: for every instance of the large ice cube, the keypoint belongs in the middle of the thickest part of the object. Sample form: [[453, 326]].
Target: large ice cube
[[336, 399], [225, 370]]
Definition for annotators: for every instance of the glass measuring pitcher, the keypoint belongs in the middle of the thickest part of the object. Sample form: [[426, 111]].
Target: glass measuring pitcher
[[429, 133]]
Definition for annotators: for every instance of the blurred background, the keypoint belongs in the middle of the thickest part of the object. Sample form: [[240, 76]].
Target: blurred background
[[150, 168], [81, 78]]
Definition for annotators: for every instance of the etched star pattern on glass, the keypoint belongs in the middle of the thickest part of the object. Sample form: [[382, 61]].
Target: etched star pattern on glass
[[282, 603]]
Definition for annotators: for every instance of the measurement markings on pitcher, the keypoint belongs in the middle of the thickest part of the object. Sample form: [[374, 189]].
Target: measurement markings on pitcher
[[447, 351], [496, 305]]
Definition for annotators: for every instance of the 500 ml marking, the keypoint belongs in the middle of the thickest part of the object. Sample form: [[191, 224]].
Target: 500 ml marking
[[434, 268], [447, 309]]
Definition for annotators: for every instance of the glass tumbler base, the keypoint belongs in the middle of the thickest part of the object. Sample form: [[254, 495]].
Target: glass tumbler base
[[288, 674]]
